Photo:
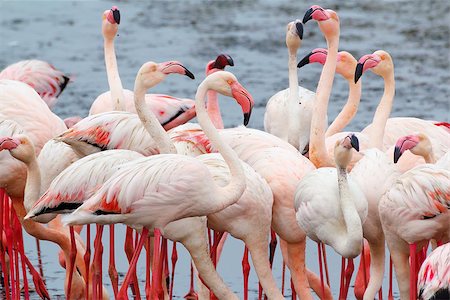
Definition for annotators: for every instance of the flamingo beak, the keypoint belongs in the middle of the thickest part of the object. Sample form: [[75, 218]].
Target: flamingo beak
[[308, 15], [354, 142], [222, 61], [299, 27], [305, 60], [244, 99], [116, 14], [175, 67], [7, 143], [359, 71], [397, 153]]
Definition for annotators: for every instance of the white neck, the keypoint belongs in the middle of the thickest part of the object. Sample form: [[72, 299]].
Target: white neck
[[230, 193], [112, 71], [349, 110], [33, 185], [293, 79], [382, 113], [317, 150], [149, 120], [351, 240]]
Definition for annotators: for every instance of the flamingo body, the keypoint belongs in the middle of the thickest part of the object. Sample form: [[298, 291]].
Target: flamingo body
[[47, 81]]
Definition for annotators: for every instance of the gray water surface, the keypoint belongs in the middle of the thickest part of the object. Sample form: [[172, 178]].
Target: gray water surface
[[68, 34]]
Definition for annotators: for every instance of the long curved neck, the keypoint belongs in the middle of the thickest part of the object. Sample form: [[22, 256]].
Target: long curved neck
[[429, 157], [293, 80], [348, 111], [33, 184], [112, 71], [351, 217], [230, 193], [149, 120], [317, 150], [214, 109], [383, 111]]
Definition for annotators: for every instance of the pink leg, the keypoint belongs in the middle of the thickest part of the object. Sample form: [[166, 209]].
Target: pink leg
[[390, 296], [38, 247], [283, 273], [97, 261], [38, 282], [324, 252], [157, 266], [413, 272], [246, 272], [348, 275], [16, 254], [217, 238], [319, 250], [174, 259], [87, 257], [272, 246], [112, 271], [73, 254], [129, 250], [18, 227], [162, 268], [9, 239], [342, 284], [294, 294], [3, 211], [132, 269], [148, 257], [191, 295]]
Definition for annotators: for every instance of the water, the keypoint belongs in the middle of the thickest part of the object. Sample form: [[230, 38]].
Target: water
[[68, 34]]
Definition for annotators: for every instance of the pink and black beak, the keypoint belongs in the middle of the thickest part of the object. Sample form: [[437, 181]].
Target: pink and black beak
[[175, 67], [403, 144], [222, 61], [366, 62], [244, 99], [317, 55], [354, 142], [316, 12], [116, 14], [8, 143]]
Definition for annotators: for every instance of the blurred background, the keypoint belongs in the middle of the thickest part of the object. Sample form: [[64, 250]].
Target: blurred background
[[68, 35]]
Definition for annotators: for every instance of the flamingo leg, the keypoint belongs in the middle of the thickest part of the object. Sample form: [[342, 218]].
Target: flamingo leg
[[174, 259], [324, 252], [87, 257], [19, 234], [319, 250], [132, 269], [112, 271], [413, 272], [341, 286], [390, 295], [156, 274], [348, 276], [294, 294], [9, 239], [37, 279], [148, 259], [283, 276], [38, 248], [2, 246], [73, 254], [16, 254], [272, 246], [162, 263], [245, 271], [97, 261], [191, 294], [129, 250]]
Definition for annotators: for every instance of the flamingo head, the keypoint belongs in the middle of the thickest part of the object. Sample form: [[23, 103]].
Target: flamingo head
[[219, 63], [328, 20], [227, 84], [418, 144], [380, 62], [111, 20], [342, 153], [346, 63], [152, 73], [19, 146], [294, 35]]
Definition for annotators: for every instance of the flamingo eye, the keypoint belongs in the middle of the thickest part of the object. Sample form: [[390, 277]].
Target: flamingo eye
[[229, 81]]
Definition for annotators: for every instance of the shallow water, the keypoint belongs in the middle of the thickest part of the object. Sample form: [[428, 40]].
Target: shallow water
[[68, 34]]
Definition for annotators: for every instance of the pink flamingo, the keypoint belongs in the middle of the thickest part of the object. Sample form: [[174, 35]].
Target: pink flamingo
[[414, 210], [434, 275], [169, 110], [44, 78], [160, 173], [288, 112]]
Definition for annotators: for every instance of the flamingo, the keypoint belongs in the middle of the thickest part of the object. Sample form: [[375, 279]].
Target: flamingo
[[288, 112], [414, 210], [44, 78], [166, 183], [169, 110], [434, 275], [345, 66]]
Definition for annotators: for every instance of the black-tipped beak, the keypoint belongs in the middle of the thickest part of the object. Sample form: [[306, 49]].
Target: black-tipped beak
[[397, 154], [229, 60], [247, 117], [188, 73], [354, 142], [299, 27], [304, 61], [308, 15], [358, 71], [116, 15], [222, 61]]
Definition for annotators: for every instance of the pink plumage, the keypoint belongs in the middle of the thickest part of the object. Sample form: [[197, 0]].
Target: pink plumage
[[44, 78]]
